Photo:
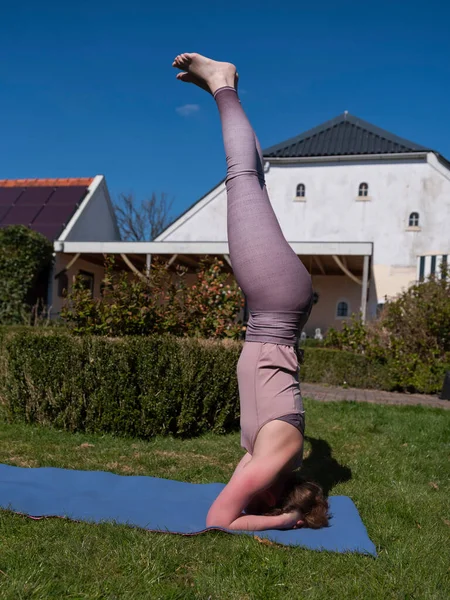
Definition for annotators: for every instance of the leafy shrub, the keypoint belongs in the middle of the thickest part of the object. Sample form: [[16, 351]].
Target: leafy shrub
[[133, 386], [411, 337], [311, 343], [337, 367], [142, 386], [25, 255], [157, 304]]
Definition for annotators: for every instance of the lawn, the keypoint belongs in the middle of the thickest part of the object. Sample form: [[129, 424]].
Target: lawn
[[393, 461]]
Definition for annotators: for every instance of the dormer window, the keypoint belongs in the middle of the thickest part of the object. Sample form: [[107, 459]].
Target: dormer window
[[363, 190], [413, 219], [301, 190]]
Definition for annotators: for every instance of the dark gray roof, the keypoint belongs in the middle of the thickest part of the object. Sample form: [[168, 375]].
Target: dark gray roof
[[344, 135]]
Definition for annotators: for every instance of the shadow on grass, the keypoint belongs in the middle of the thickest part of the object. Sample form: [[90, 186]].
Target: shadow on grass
[[321, 467]]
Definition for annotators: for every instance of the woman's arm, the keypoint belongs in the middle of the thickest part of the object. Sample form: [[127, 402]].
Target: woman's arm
[[253, 477], [260, 522]]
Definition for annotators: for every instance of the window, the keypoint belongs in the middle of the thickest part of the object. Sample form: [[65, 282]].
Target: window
[[301, 190], [444, 266], [433, 266], [422, 268], [87, 280], [363, 190], [413, 219], [342, 309], [63, 284]]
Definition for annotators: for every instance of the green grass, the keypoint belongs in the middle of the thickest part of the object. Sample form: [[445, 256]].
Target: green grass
[[393, 462]]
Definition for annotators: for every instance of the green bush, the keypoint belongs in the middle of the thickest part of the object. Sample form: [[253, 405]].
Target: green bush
[[157, 304], [131, 386], [411, 338], [311, 343], [337, 367], [143, 386], [24, 257]]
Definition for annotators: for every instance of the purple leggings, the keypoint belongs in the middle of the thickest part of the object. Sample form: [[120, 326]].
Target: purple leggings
[[274, 280], [272, 277]]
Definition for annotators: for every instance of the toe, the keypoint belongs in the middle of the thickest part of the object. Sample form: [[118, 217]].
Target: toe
[[179, 63]]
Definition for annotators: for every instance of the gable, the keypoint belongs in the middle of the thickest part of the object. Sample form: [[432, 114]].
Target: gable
[[204, 221], [95, 219]]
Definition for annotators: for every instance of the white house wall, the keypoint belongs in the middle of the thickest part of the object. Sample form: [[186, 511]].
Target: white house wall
[[204, 222], [96, 221], [332, 211]]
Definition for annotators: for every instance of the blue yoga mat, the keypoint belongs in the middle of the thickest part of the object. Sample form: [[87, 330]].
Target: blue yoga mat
[[157, 505]]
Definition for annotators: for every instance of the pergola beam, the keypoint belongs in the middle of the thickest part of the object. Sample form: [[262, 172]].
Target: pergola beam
[[172, 260], [319, 264], [130, 265], [189, 261], [346, 271], [71, 262], [227, 258]]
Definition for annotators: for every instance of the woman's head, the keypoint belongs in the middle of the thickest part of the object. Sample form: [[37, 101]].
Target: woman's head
[[297, 494]]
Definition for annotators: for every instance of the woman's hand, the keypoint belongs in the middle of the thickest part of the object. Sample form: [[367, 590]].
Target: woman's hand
[[291, 520]]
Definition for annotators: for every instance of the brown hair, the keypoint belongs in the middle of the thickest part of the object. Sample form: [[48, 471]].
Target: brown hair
[[308, 498]]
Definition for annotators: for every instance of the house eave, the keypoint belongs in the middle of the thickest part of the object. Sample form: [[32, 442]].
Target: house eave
[[407, 156], [96, 182], [206, 248]]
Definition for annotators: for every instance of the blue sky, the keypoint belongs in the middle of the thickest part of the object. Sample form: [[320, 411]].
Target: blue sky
[[88, 88]]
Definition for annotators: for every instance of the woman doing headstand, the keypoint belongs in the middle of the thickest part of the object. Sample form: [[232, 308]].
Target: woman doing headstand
[[262, 494]]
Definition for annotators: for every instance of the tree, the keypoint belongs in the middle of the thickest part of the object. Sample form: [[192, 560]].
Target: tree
[[25, 257], [144, 221]]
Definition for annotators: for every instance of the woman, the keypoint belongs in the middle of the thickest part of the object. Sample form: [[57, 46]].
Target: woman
[[262, 493]]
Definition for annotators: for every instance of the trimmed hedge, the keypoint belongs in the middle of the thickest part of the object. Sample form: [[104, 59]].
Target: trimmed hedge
[[337, 367], [136, 386], [143, 386]]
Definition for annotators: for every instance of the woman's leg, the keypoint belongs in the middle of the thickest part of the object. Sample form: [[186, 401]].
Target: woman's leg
[[266, 268], [270, 274]]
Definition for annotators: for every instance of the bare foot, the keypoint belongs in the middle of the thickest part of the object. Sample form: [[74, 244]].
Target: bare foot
[[207, 72], [189, 78]]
